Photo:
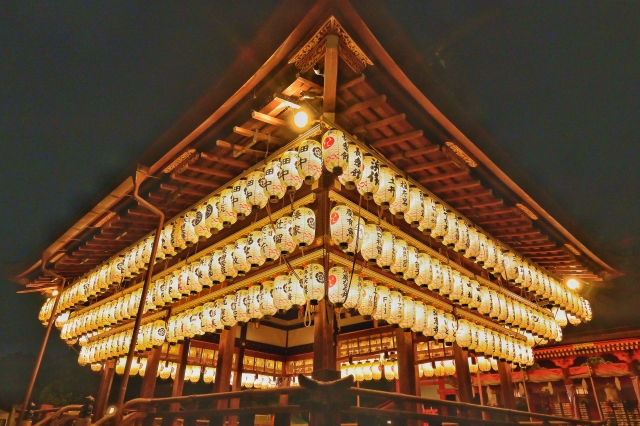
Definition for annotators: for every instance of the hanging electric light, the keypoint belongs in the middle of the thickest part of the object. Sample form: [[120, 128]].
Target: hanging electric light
[[310, 160], [335, 151]]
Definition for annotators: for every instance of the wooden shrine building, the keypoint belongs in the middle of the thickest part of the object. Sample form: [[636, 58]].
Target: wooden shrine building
[[315, 213]]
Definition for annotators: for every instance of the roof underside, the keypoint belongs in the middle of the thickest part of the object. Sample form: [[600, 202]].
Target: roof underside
[[373, 105]]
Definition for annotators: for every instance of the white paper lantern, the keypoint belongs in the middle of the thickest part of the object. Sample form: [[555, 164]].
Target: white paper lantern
[[370, 180], [227, 215], [354, 292], [313, 283], [268, 244], [424, 272], [358, 235], [352, 175], [450, 237], [239, 202], [338, 285], [440, 229], [289, 171], [310, 160], [280, 296], [382, 303], [386, 192], [294, 289], [400, 203], [371, 242], [366, 305], [228, 314], [256, 195], [435, 284], [401, 258], [240, 261], [428, 221], [463, 334], [341, 226], [273, 185], [253, 303], [216, 315], [335, 151], [227, 266], [241, 309], [387, 257], [413, 264], [408, 314], [283, 236], [254, 250], [415, 212], [267, 307], [303, 226], [419, 315]]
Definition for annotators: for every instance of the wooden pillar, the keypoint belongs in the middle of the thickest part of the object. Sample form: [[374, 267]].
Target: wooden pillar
[[571, 393], [225, 363], [407, 369], [104, 389], [636, 388], [178, 382], [283, 419], [150, 373], [331, 59], [506, 385], [463, 376]]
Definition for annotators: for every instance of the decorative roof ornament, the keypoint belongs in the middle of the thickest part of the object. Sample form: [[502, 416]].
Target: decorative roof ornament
[[460, 153], [182, 162], [528, 212]]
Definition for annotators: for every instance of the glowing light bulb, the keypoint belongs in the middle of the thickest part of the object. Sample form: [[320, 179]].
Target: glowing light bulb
[[301, 119], [573, 284]]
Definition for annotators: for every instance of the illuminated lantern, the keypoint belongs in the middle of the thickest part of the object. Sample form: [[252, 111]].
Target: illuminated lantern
[[408, 314], [366, 370], [436, 275], [462, 237], [359, 376], [193, 279], [209, 375], [195, 374], [267, 307], [206, 318], [473, 245], [335, 151], [310, 160], [386, 188], [450, 237], [387, 257], [376, 370], [449, 367], [183, 281], [419, 315], [371, 247], [440, 229], [239, 255], [227, 265], [227, 215], [121, 365], [415, 212], [215, 267], [370, 180], [413, 264], [283, 236], [96, 366], [273, 186], [400, 203], [428, 369], [289, 171], [280, 297], [242, 311], [396, 308], [188, 225], [303, 226], [268, 244], [366, 304], [195, 322], [428, 221], [254, 191], [239, 203], [389, 370], [338, 285], [354, 292], [463, 334], [456, 289], [159, 333], [382, 304], [358, 236], [431, 322], [510, 266], [313, 283], [484, 364], [212, 214], [216, 315], [203, 272], [254, 250], [401, 258], [483, 250], [573, 319], [424, 270], [228, 315], [166, 244], [351, 176], [294, 289], [341, 226], [253, 303]]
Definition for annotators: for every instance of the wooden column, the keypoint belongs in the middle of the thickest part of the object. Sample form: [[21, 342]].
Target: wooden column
[[506, 385], [225, 363], [407, 369], [104, 389], [151, 373], [178, 382], [331, 59], [571, 393], [463, 376], [283, 419]]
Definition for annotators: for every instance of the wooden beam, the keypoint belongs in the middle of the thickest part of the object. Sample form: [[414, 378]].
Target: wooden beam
[[225, 160], [466, 197], [178, 382], [150, 374], [428, 165], [456, 186], [359, 79], [194, 181], [212, 172], [369, 103], [550, 256], [182, 190], [141, 214], [229, 145], [517, 234], [504, 210], [463, 376], [330, 94], [267, 119], [504, 219], [250, 134], [414, 153], [506, 385], [381, 143], [476, 206], [443, 176], [534, 246]]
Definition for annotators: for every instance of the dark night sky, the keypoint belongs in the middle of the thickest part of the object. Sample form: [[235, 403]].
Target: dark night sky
[[86, 87]]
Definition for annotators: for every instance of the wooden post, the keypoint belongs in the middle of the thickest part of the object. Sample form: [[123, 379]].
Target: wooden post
[[151, 373], [506, 385], [237, 381], [178, 382], [225, 363], [103, 390], [283, 419], [463, 376], [407, 368], [571, 393], [331, 59]]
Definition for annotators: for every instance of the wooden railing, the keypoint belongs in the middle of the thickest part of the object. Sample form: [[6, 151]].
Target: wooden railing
[[59, 417], [321, 404]]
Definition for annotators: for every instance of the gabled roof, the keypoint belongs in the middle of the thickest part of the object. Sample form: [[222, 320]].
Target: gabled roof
[[377, 102]]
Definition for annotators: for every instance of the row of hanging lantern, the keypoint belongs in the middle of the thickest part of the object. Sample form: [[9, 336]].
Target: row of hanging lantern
[[258, 381], [370, 369], [353, 235], [150, 335]]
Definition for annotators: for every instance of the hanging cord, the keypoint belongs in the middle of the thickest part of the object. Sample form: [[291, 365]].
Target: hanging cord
[[307, 315]]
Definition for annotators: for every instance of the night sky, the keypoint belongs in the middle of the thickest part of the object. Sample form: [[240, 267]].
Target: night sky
[[86, 87]]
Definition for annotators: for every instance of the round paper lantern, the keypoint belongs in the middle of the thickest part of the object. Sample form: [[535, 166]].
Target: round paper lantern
[[209, 375], [206, 318], [280, 297], [303, 226], [436, 276], [440, 228], [352, 175], [463, 334], [408, 314], [366, 304], [338, 285], [456, 286], [227, 265], [419, 315], [283, 236], [413, 264], [359, 376], [386, 188], [256, 196], [382, 303], [215, 267], [462, 238], [159, 333], [358, 235], [242, 311], [341, 226], [389, 370], [212, 215], [449, 367], [253, 303], [573, 319], [267, 307], [401, 258], [400, 203], [376, 370], [273, 185], [396, 308], [313, 283], [254, 250], [195, 374], [424, 270], [371, 242], [310, 160], [335, 151], [450, 237], [193, 279], [370, 179], [431, 322], [240, 261], [268, 244], [428, 221], [388, 255], [294, 289], [415, 212], [228, 314], [227, 215], [289, 171], [239, 203], [354, 292], [216, 315]]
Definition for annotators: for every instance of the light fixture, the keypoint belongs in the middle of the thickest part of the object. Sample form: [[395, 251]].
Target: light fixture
[[301, 119], [54, 293], [573, 284]]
